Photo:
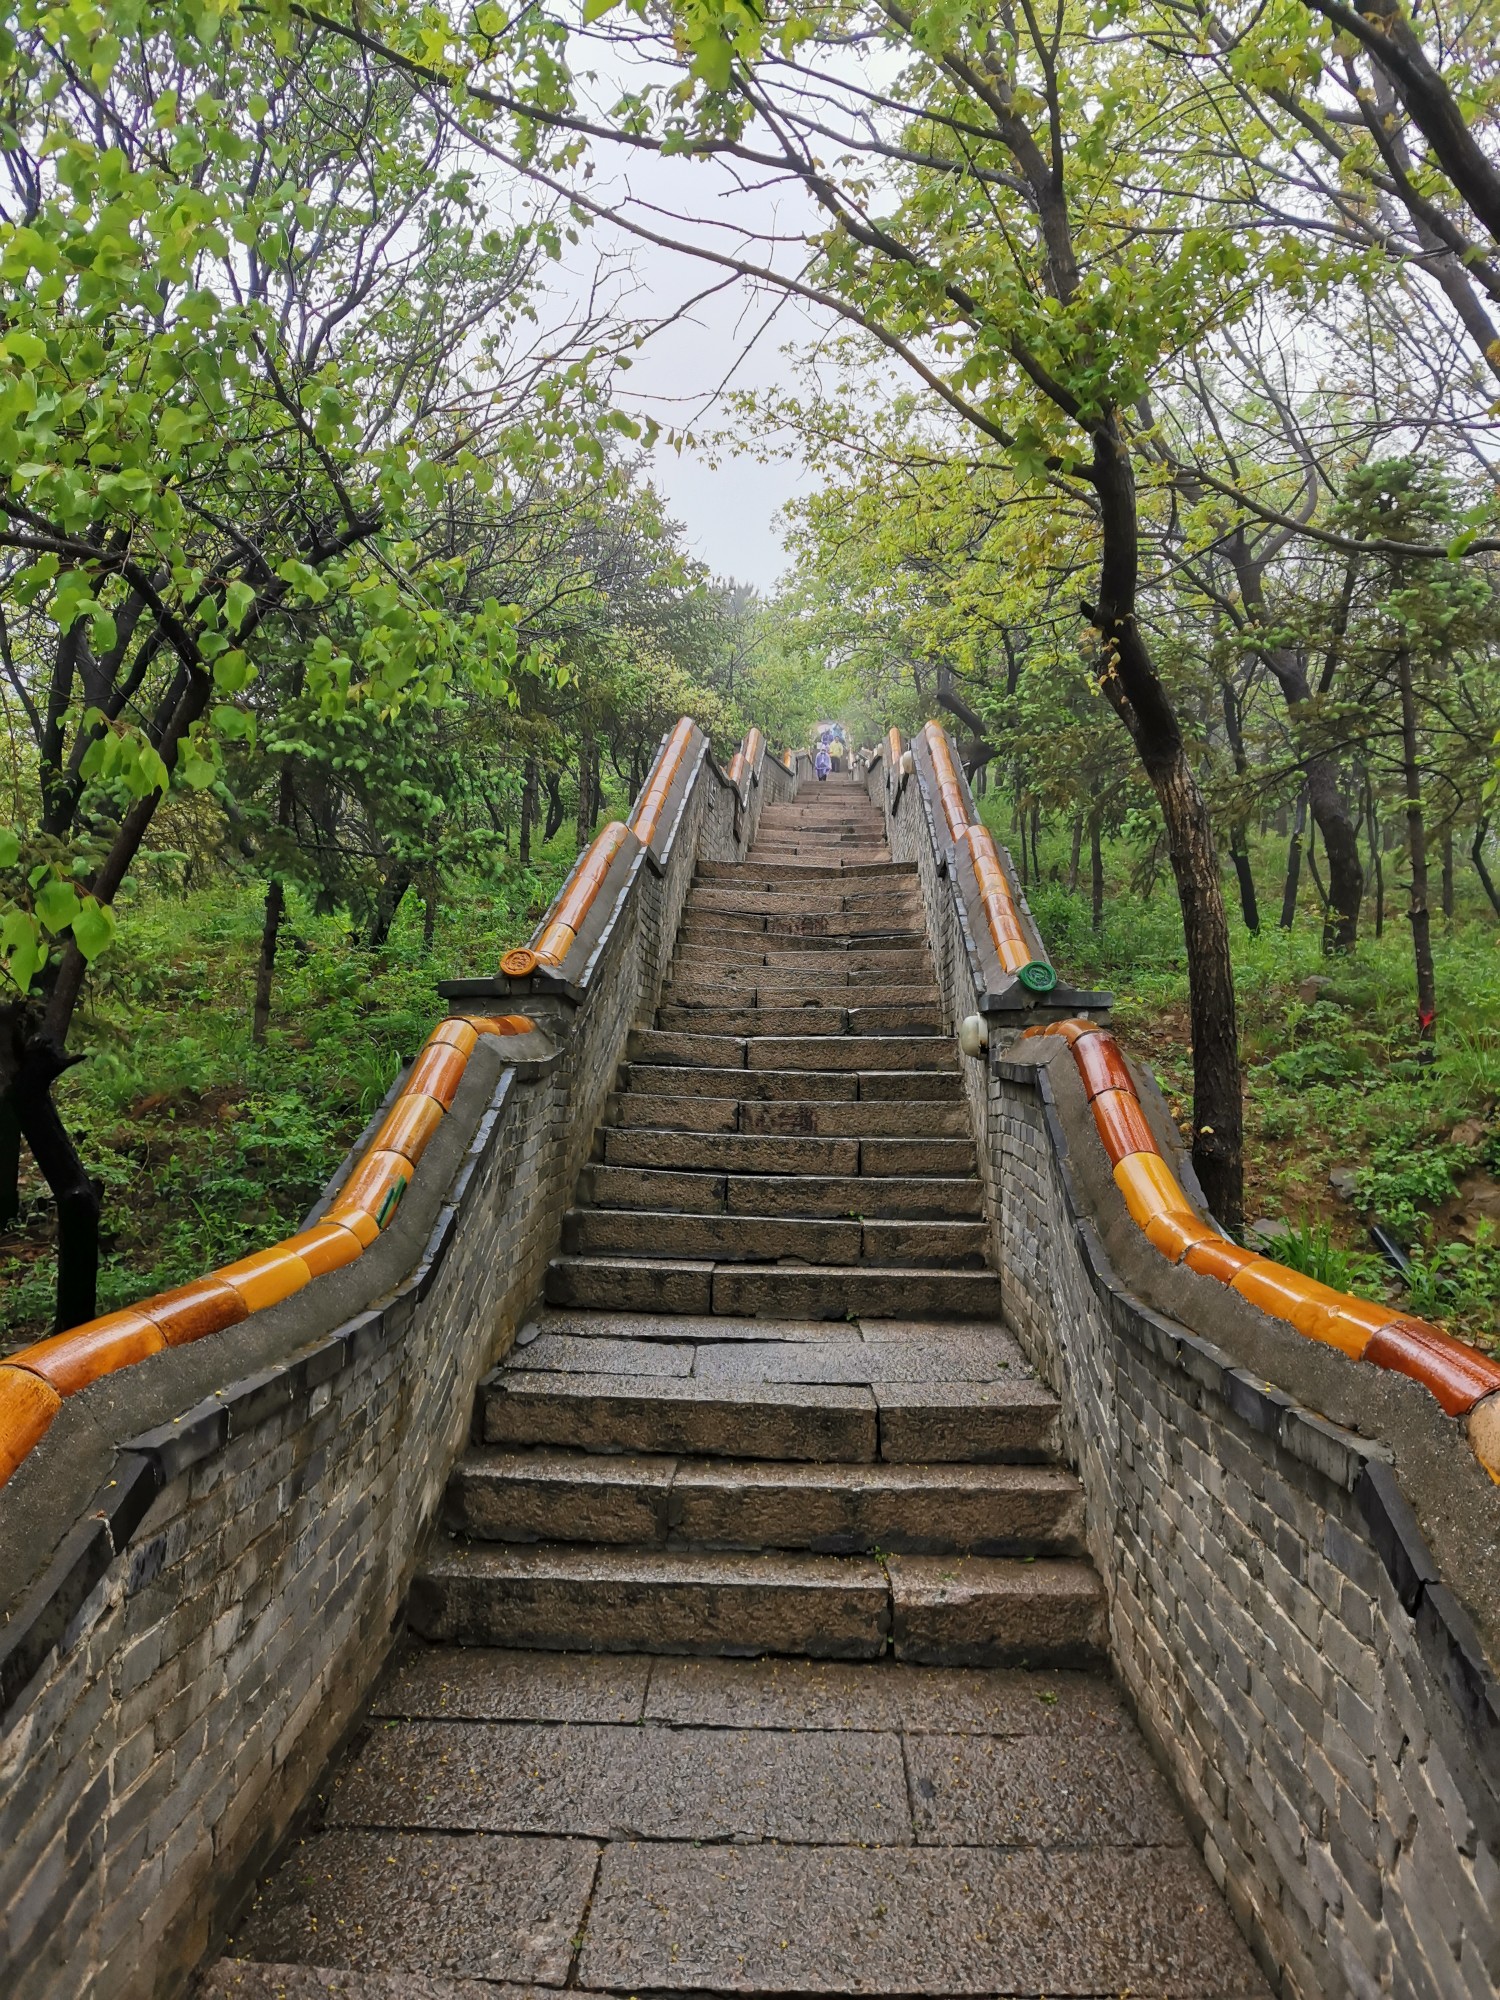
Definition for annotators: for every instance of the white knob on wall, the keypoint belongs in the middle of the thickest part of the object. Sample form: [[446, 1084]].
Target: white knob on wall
[[974, 1035]]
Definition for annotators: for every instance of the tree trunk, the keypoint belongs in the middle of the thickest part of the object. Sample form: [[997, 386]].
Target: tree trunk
[[1293, 866], [31, 1061], [554, 817], [528, 812], [587, 787], [265, 970], [10, 1164], [1075, 855], [1239, 850], [1476, 855], [430, 899], [1346, 878], [1096, 875], [392, 890], [1416, 837], [1448, 871], [1133, 687]]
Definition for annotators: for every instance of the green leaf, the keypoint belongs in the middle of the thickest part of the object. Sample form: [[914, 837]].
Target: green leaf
[[10, 848], [57, 904], [93, 928], [239, 599]]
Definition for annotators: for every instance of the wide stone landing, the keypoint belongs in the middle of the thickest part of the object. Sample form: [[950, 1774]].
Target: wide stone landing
[[523, 1823]]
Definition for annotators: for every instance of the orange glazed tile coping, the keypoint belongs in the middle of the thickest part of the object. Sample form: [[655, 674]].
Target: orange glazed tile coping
[[34, 1382], [1465, 1382], [1007, 934]]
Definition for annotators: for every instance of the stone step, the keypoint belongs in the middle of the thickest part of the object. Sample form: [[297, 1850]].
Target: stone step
[[578, 1496], [782, 1152], [810, 958], [759, 870], [820, 1423], [653, 1601], [813, 929], [835, 1118], [850, 1086], [904, 1018], [774, 989], [772, 1239], [621, 1283], [788, 899], [934, 1610], [932, 1200], [658, 1048]]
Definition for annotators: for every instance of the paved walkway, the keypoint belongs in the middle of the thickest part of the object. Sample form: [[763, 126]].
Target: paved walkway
[[759, 1652]]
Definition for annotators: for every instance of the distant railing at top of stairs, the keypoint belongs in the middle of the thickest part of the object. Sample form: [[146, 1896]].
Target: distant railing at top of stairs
[[35, 1380], [1011, 970]]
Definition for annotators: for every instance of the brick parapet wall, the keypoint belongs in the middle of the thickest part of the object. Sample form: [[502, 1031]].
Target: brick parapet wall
[[1320, 1697], [203, 1562]]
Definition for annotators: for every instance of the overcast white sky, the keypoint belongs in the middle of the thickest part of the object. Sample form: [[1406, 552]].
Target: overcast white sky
[[727, 502]]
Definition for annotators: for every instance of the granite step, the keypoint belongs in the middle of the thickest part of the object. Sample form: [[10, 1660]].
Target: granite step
[[775, 989], [773, 1239], [755, 872], [556, 1495], [811, 958], [808, 1018], [761, 1143], [812, 930], [825, 1053], [763, 1085], [780, 1194], [932, 1610], [653, 1601], [623, 1283], [638, 1109], [789, 899]]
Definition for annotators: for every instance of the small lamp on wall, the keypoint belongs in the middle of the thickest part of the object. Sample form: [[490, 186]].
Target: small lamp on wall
[[974, 1035]]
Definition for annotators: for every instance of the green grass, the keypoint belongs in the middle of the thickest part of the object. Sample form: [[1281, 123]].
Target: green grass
[[206, 1146], [1334, 1077]]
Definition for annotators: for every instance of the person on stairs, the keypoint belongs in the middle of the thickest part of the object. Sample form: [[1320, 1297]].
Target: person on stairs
[[822, 763]]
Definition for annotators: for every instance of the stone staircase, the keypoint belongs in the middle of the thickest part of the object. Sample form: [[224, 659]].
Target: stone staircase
[[770, 1408], [747, 1657]]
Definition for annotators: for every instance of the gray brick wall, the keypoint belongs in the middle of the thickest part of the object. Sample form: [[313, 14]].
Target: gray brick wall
[[202, 1564], [1319, 1695]]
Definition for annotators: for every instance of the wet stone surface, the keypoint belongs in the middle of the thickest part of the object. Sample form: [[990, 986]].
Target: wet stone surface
[[481, 1906]]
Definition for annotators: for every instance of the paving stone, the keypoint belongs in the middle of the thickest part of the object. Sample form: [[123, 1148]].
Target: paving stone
[[864, 1054], [902, 1121], [915, 1155], [559, 1496], [761, 1239], [648, 1601], [490, 1684], [677, 1327], [833, 1509], [239, 1979], [942, 1355], [1094, 1790], [832, 1291], [646, 1187], [1009, 1417], [858, 1195], [637, 1783], [732, 1152], [985, 1610], [642, 1110], [886, 1694], [780, 1919], [479, 1906], [636, 1413], [558, 1353], [641, 1284]]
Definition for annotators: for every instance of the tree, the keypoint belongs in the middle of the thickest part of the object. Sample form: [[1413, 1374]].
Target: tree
[[255, 325]]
